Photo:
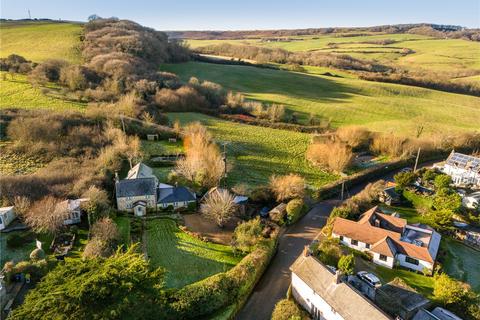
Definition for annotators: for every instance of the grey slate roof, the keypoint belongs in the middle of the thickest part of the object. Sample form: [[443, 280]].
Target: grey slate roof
[[177, 194], [344, 299], [141, 170], [136, 187]]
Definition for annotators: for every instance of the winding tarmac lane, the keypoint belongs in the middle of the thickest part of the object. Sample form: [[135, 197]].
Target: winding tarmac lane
[[275, 281]]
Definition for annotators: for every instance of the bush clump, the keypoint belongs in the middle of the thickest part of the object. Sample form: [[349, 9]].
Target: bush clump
[[287, 309]]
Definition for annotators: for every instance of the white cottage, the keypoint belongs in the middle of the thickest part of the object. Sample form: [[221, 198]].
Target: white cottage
[[74, 210], [390, 240], [7, 215], [326, 297], [464, 169]]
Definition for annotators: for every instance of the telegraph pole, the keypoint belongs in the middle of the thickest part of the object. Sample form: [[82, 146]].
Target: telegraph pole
[[416, 160], [224, 165]]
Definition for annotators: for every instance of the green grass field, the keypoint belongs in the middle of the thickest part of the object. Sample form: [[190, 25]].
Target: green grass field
[[431, 54], [378, 106], [14, 163], [39, 41], [185, 258], [19, 93], [258, 152]]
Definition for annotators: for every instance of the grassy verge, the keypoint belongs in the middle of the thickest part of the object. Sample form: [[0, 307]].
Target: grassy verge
[[258, 152], [185, 258]]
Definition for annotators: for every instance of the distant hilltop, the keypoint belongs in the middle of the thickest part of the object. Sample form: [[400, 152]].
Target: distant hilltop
[[241, 34]]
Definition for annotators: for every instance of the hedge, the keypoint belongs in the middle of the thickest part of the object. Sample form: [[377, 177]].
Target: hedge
[[295, 210]]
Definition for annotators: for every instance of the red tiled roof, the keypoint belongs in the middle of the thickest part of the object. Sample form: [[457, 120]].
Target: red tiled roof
[[362, 232]]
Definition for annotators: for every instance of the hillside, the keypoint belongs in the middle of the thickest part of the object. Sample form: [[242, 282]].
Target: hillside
[[39, 41], [344, 101], [452, 58]]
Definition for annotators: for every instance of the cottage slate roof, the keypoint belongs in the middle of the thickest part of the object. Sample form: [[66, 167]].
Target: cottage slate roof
[[344, 299], [177, 194], [136, 187], [141, 170]]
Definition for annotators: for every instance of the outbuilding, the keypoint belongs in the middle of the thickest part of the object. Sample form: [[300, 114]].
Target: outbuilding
[[7, 215]]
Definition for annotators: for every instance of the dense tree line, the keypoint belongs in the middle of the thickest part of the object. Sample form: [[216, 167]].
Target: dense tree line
[[277, 55], [441, 31]]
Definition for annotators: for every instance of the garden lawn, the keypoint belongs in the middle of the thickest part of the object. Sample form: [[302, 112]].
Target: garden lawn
[[256, 152], [421, 283], [185, 258], [16, 254], [19, 93], [390, 108], [39, 41], [462, 262], [123, 225]]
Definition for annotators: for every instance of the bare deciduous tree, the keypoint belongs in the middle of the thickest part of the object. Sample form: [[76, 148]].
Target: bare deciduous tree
[[219, 206], [203, 163], [46, 216], [106, 230], [354, 136], [334, 156], [287, 187]]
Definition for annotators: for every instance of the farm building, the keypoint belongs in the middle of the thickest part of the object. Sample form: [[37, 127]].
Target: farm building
[[73, 207], [464, 169], [390, 239], [141, 190], [326, 296], [7, 215]]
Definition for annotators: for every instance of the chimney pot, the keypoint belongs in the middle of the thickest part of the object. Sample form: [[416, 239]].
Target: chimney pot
[[338, 277], [306, 251]]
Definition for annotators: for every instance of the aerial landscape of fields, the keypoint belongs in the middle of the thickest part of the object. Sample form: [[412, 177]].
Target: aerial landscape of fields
[[240, 161]]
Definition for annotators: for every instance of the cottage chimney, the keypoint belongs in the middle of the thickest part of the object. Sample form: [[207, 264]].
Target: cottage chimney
[[337, 279], [306, 251], [117, 179]]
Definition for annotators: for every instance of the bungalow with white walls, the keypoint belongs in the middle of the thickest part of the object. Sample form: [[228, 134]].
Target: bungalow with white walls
[[326, 296], [390, 240]]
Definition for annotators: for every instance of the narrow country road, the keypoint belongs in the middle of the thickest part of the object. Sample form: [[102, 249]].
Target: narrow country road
[[274, 284]]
